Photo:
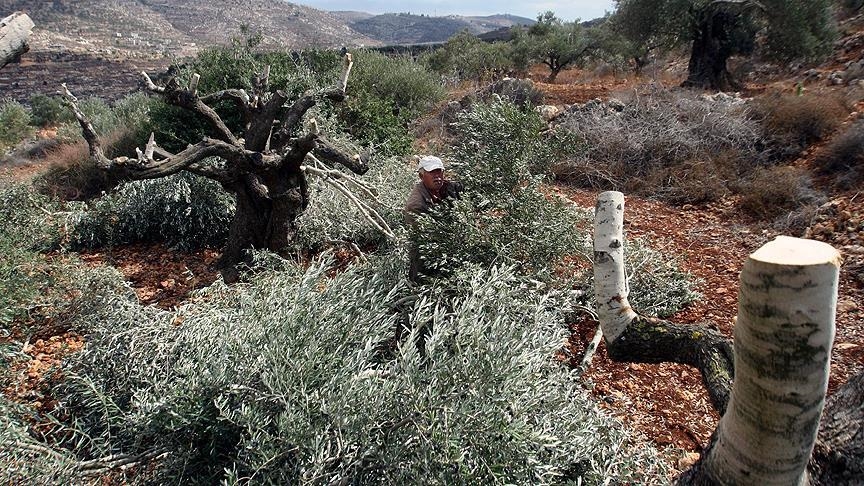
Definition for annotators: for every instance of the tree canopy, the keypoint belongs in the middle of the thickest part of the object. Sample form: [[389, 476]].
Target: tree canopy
[[719, 29], [555, 43]]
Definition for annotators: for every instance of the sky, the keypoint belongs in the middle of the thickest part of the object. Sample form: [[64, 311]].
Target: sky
[[566, 10]]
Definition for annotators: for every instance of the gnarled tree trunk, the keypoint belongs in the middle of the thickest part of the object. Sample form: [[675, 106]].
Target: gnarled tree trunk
[[264, 169], [14, 34], [710, 52]]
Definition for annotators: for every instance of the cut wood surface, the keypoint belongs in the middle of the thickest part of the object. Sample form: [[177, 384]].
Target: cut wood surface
[[14, 33]]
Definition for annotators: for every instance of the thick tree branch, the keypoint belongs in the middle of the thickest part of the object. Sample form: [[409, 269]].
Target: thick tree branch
[[184, 98], [290, 117], [146, 166], [238, 96], [330, 153]]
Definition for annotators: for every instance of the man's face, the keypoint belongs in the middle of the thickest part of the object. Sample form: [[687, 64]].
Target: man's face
[[433, 179]]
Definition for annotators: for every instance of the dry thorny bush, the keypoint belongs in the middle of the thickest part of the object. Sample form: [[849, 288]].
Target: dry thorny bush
[[663, 143], [682, 148]]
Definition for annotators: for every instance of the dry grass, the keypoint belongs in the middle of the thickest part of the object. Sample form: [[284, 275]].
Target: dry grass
[[843, 157], [73, 176], [666, 144], [798, 121], [773, 191]]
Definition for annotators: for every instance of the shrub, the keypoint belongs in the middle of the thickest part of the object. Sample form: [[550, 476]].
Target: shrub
[[29, 225], [184, 210], [843, 157], [14, 123], [771, 191], [503, 216], [795, 122], [377, 124], [405, 82], [465, 57], [663, 144], [48, 111], [277, 380]]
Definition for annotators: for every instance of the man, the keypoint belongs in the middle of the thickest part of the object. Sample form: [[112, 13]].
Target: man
[[431, 189]]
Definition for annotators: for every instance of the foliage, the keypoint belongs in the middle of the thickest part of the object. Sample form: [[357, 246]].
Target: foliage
[[657, 286], [799, 29], [377, 124], [184, 210], [48, 111], [14, 123], [276, 382], [552, 42], [25, 229], [465, 57], [503, 217], [23, 459], [672, 145], [405, 82], [331, 219]]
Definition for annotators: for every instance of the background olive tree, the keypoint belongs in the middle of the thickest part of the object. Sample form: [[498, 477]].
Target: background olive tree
[[717, 30]]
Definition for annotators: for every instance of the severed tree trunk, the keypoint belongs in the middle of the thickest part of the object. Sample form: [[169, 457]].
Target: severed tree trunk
[[639, 339], [14, 34], [783, 341]]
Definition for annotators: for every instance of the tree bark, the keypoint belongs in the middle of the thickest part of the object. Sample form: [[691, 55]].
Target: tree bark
[[14, 34], [838, 458], [783, 340], [637, 339], [709, 53], [266, 214]]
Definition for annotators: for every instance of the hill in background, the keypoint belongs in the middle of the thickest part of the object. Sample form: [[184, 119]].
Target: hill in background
[[405, 28]]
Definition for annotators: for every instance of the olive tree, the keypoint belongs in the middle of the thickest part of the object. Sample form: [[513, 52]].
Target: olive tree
[[265, 167], [719, 29], [552, 42]]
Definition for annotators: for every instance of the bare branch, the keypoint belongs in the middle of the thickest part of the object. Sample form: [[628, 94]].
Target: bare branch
[[330, 153], [346, 71], [334, 178], [184, 98], [292, 115], [335, 174]]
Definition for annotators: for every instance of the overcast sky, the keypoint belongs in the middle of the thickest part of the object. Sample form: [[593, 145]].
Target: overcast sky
[[567, 10]]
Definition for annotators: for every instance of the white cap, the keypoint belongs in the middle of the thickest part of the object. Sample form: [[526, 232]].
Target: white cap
[[430, 163]]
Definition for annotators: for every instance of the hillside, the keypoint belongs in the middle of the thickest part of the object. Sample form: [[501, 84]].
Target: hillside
[[404, 28], [130, 28]]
